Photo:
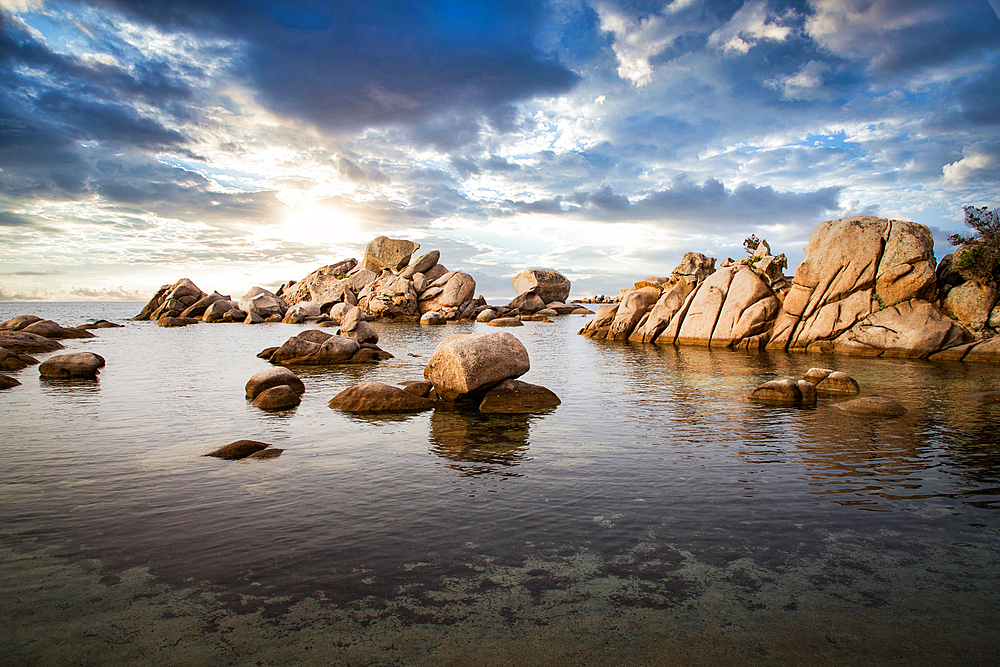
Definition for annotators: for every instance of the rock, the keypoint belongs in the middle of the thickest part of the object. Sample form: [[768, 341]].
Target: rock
[[838, 382], [517, 397], [254, 318], [12, 361], [75, 365], [778, 392], [456, 292], [374, 397], [6, 382], [527, 303], [21, 341], [198, 308], [909, 329], [667, 306], [601, 324], [814, 375], [486, 316], [390, 296], [314, 336], [505, 322], [547, 312], [19, 322], [704, 309], [695, 267], [634, 304], [101, 324], [581, 311], [873, 405], [970, 303], [263, 302], [749, 309], [324, 286], [279, 397], [435, 273], [432, 317], [267, 353], [988, 351], [299, 351], [339, 310], [269, 453], [467, 363], [385, 253], [171, 300], [217, 311], [417, 387], [808, 390], [273, 377], [547, 284], [50, 329], [906, 269], [238, 450], [421, 265], [301, 311], [353, 325], [167, 321]]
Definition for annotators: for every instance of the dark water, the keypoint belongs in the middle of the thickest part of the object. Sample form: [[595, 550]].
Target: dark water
[[655, 517]]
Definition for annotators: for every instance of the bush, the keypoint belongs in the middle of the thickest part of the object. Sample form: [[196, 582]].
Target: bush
[[979, 257]]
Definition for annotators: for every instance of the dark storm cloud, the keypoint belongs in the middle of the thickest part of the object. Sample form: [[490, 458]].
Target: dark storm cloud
[[444, 66]]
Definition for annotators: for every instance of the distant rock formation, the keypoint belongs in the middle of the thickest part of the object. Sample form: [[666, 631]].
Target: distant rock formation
[[867, 286]]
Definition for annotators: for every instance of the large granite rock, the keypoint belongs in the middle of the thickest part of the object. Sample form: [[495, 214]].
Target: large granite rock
[[14, 361], [217, 311], [421, 265], [263, 302], [375, 397], [456, 298], [703, 312], [667, 306], [300, 351], [198, 308], [19, 322], [633, 306], [466, 364], [324, 286], [548, 284], [906, 268], [390, 296], [749, 309], [75, 365], [970, 303], [875, 406], [912, 328], [53, 330], [280, 397], [171, 300], [386, 253]]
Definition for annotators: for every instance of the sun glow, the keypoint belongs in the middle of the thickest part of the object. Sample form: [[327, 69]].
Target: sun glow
[[320, 224]]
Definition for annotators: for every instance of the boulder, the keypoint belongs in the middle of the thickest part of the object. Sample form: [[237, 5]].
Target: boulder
[[75, 365], [988, 350], [547, 284], [300, 351], [171, 300], [527, 303], [217, 310], [19, 322], [457, 291], [254, 318], [505, 322], [970, 303], [374, 397], [749, 309], [268, 453], [517, 397], [808, 390], [432, 317], [601, 324], [435, 273], [486, 316], [912, 328], [100, 324], [279, 397], [168, 321], [814, 375], [465, 364], [314, 336], [837, 382], [13, 361], [301, 311], [273, 377], [420, 388], [695, 267], [21, 341], [873, 405], [339, 310], [50, 329], [6, 382], [634, 304], [323, 286], [906, 269], [263, 302], [667, 306], [421, 265], [704, 309], [385, 253], [390, 296], [238, 450], [778, 392], [198, 308]]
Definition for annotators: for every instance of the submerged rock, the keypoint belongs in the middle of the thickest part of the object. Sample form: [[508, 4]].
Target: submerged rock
[[75, 365], [238, 450], [374, 397], [268, 453], [778, 392], [873, 405]]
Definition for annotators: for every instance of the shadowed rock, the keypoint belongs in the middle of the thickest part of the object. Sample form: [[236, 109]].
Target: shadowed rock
[[549, 285], [21, 341], [167, 321], [375, 397], [268, 453], [279, 397], [238, 450], [75, 365], [838, 383], [273, 377], [13, 361], [6, 382], [517, 397], [778, 392], [417, 387], [53, 330], [19, 322]]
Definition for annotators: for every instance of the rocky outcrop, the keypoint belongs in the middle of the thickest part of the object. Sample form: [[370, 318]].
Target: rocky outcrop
[[970, 303], [467, 364], [913, 328], [50, 329], [263, 302], [19, 322], [318, 348], [547, 284], [75, 365], [15, 361], [171, 300], [375, 397]]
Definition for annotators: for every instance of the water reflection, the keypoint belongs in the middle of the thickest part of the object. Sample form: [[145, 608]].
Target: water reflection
[[62, 386], [479, 444]]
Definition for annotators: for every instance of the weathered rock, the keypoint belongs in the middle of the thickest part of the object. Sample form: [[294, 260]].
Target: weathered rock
[[21, 341], [6, 382], [300, 351], [517, 397], [417, 387], [988, 351], [778, 392], [198, 308], [375, 397], [970, 303], [467, 363], [50, 329], [12, 361], [906, 269], [385, 253], [838, 382], [547, 284], [695, 267], [324, 286], [171, 300], [432, 317], [666, 307], [633, 306], [238, 450], [100, 324], [74, 365], [749, 309], [353, 325], [267, 353], [435, 273], [909, 329], [19, 322], [527, 302], [268, 453], [703, 311], [601, 324], [279, 397], [254, 318], [167, 321], [314, 336], [421, 265], [505, 322], [457, 292], [390, 296], [273, 377], [486, 316], [808, 390], [301, 311], [873, 405], [547, 312], [217, 310], [263, 302], [814, 375]]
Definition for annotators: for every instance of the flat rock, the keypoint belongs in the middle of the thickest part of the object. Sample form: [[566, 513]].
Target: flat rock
[[168, 321], [873, 405], [278, 397], [75, 365], [517, 397], [505, 322], [273, 377], [375, 397], [238, 450], [21, 341]]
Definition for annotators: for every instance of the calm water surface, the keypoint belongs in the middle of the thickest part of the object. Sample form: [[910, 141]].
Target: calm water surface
[[655, 517]]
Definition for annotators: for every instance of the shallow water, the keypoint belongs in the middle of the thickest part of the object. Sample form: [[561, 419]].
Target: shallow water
[[656, 517]]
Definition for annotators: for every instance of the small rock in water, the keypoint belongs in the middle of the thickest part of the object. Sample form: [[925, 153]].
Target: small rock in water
[[517, 397], [75, 365], [273, 377], [238, 450], [419, 388], [269, 453], [778, 392], [277, 398], [374, 397], [873, 405], [838, 383], [6, 382]]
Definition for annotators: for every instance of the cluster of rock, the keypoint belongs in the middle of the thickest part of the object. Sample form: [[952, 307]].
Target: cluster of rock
[[24, 335], [465, 370], [355, 342], [599, 298], [275, 389], [541, 294], [867, 286], [817, 381]]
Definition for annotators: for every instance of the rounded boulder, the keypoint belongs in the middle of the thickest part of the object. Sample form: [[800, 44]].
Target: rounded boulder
[[466, 363], [277, 398], [375, 397], [273, 377], [875, 406], [75, 365]]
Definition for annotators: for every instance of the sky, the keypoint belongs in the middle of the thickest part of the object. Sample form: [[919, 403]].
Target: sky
[[243, 143]]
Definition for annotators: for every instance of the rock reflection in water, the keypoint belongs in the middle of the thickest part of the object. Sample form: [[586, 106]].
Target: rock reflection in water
[[477, 443]]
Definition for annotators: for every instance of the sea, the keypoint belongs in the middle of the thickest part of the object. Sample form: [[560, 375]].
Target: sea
[[656, 517]]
